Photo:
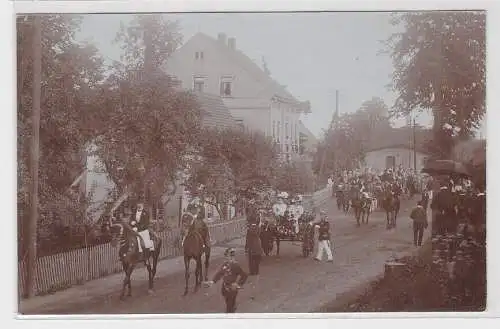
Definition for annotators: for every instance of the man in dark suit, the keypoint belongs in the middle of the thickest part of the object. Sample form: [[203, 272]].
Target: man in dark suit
[[253, 248], [443, 204], [233, 277]]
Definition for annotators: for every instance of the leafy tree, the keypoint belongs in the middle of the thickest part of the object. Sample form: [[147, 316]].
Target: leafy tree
[[439, 64], [150, 131], [149, 128], [70, 72], [231, 165], [345, 142], [295, 178], [164, 37]]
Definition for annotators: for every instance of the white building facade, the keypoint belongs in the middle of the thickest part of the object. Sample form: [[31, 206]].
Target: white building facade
[[255, 100]]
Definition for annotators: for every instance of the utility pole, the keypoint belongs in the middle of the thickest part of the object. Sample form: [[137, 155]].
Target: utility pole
[[35, 154], [414, 146]]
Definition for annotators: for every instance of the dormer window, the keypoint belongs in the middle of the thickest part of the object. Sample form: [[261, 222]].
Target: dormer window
[[198, 55], [226, 86]]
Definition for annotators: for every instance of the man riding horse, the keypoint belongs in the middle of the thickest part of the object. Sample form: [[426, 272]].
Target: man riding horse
[[140, 225], [196, 212]]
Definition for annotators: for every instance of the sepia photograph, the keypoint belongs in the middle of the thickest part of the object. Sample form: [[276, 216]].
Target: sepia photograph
[[251, 162]]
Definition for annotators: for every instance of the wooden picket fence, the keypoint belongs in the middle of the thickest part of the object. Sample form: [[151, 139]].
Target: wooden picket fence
[[63, 270]]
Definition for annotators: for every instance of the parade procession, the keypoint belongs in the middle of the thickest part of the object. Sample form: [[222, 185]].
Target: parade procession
[[170, 172]]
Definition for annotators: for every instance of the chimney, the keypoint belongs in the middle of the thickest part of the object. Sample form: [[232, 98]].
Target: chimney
[[222, 38], [231, 43]]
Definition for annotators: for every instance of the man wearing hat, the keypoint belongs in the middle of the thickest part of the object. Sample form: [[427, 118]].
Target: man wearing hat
[[324, 243], [444, 207], [140, 222], [253, 248], [233, 278]]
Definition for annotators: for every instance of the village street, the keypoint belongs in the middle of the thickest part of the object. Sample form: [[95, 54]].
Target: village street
[[288, 283]]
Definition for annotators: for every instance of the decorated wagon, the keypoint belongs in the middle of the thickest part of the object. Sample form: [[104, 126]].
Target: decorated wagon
[[288, 220]]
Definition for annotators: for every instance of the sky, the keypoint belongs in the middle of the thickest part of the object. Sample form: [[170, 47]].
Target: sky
[[313, 54]]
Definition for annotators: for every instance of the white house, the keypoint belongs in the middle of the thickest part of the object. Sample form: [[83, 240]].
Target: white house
[[392, 148], [255, 100]]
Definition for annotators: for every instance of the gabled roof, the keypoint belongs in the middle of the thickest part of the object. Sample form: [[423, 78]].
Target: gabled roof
[[311, 139], [215, 113], [270, 87], [399, 138]]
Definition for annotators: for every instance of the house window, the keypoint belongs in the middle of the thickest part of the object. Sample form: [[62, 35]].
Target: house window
[[239, 122], [286, 130], [198, 84], [279, 131], [226, 86], [198, 55]]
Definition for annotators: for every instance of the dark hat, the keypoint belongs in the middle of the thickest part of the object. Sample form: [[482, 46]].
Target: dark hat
[[229, 252]]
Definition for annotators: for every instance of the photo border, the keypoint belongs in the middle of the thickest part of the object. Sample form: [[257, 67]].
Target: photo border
[[8, 195]]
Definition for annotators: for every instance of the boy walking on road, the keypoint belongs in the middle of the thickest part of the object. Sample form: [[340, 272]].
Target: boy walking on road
[[233, 277], [419, 217], [324, 238]]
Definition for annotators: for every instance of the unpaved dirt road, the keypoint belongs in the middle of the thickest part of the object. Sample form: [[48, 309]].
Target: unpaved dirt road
[[288, 283]]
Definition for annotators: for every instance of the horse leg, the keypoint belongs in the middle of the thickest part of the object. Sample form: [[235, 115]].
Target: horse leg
[[197, 273], [149, 268], [124, 285], [388, 219], [156, 255], [207, 262], [129, 281], [186, 273], [277, 246]]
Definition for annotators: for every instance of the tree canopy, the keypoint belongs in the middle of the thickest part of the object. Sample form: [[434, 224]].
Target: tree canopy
[[346, 140], [439, 63], [231, 164], [150, 127], [71, 72]]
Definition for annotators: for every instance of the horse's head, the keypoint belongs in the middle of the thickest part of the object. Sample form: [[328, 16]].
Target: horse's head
[[187, 221]]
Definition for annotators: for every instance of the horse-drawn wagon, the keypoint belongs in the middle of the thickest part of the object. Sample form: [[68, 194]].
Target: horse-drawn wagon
[[292, 225]]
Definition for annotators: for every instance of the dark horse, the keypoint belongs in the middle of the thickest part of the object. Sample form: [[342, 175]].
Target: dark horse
[[194, 247], [391, 205], [340, 197], [130, 256], [361, 206]]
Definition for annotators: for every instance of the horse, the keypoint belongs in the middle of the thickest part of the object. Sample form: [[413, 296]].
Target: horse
[[339, 196], [267, 235], [130, 256], [194, 248], [391, 205], [365, 208]]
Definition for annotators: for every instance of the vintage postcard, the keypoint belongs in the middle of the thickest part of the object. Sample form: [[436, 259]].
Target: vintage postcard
[[187, 163]]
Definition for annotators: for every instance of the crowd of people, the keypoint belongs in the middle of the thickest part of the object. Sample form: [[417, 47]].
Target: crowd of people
[[457, 207]]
